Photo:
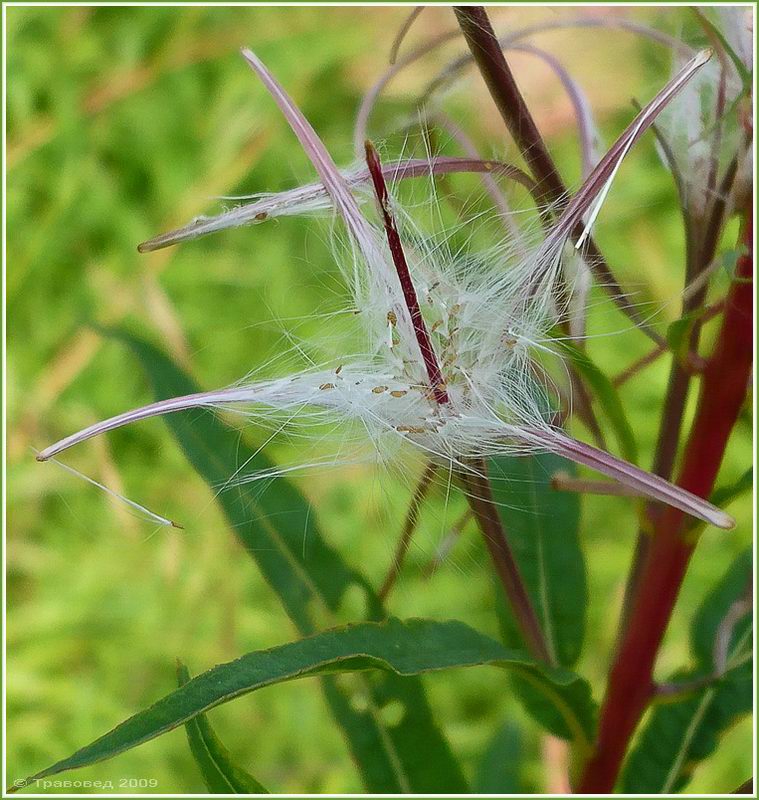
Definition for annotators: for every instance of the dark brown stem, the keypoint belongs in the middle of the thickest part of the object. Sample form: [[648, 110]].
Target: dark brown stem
[[723, 394], [404, 276], [480, 497], [486, 51], [490, 60], [409, 526]]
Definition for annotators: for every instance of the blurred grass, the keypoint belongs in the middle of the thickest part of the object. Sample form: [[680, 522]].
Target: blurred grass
[[123, 122]]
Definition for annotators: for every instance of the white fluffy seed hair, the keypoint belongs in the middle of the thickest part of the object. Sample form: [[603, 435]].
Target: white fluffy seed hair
[[485, 316]]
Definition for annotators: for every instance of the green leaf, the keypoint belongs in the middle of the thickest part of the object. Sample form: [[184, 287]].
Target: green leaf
[[735, 584], [220, 774], [607, 395], [726, 494], [280, 533], [711, 28], [401, 648], [680, 734], [542, 527], [678, 334], [502, 765]]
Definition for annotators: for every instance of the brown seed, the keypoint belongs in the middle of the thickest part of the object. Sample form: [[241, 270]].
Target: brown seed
[[327, 386], [339, 370], [392, 318], [398, 393], [379, 389], [261, 216]]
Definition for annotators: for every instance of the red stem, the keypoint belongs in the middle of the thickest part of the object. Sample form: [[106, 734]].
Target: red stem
[[723, 393], [401, 266]]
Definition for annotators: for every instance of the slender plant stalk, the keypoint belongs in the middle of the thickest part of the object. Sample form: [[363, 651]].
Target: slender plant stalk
[[723, 393], [404, 276], [693, 359], [476, 484], [409, 526], [490, 60], [478, 492], [700, 256]]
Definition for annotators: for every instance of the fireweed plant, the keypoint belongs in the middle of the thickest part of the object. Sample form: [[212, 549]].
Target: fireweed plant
[[469, 357]]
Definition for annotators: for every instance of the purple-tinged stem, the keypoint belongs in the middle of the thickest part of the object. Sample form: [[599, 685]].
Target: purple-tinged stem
[[480, 497], [404, 276], [409, 526], [290, 201], [487, 53], [401, 35]]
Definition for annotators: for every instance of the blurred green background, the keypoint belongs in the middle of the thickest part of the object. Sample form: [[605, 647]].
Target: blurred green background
[[124, 122]]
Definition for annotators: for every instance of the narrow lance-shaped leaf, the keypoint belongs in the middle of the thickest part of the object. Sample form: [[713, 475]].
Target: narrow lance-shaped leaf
[[400, 648], [608, 397], [680, 734], [503, 765], [710, 615], [726, 494], [542, 527], [220, 774], [312, 583]]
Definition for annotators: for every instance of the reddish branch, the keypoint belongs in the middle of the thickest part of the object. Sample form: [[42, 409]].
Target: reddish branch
[[480, 497], [723, 392], [404, 276], [475, 483], [409, 526], [701, 247], [487, 54]]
